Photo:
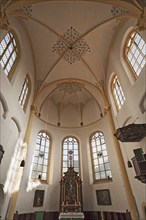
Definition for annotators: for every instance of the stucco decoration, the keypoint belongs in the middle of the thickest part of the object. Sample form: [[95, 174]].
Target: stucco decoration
[[70, 87], [71, 46], [26, 10], [115, 11]]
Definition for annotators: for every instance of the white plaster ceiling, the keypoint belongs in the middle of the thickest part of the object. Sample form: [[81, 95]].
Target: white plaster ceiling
[[72, 91]]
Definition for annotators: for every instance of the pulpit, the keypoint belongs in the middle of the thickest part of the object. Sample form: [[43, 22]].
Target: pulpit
[[71, 205]]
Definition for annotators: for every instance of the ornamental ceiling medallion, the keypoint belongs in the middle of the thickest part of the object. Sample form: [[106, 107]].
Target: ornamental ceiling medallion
[[70, 87], [71, 46]]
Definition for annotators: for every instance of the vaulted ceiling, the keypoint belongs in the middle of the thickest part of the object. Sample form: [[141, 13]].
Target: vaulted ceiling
[[71, 43]]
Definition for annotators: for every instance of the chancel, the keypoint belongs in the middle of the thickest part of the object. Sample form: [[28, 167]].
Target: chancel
[[72, 109]]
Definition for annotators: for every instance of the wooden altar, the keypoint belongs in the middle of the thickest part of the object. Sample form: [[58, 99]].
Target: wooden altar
[[71, 192], [71, 205]]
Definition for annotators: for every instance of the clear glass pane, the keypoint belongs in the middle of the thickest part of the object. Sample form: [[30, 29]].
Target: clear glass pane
[[75, 157], [65, 157], [76, 163], [40, 168], [64, 163], [97, 176], [143, 63], [95, 162], [107, 166], [140, 58], [104, 153], [108, 173], [45, 169], [136, 53], [101, 167], [141, 44], [100, 160], [133, 48], [103, 176], [36, 153], [137, 38], [43, 176], [96, 168], [34, 167]]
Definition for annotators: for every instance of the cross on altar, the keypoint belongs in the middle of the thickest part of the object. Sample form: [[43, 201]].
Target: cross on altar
[[70, 155]]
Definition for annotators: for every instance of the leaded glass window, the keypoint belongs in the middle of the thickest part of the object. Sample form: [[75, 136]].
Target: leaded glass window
[[70, 143], [117, 92], [100, 160], [136, 52], [25, 92], [41, 157], [8, 52]]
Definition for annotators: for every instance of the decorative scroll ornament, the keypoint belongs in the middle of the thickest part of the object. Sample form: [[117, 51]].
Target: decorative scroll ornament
[[115, 11], [70, 87], [71, 46], [4, 22], [26, 10]]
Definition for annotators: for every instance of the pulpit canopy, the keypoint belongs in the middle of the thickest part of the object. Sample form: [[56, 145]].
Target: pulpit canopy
[[131, 133]]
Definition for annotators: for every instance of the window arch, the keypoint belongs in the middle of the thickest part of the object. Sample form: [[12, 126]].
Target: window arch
[[99, 155], [135, 52], [25, 92], [41, 157], [70, 143], [8, 53], [117, 93]]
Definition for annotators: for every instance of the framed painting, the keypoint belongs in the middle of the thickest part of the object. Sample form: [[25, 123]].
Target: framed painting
[[103, 197], [38, 198]]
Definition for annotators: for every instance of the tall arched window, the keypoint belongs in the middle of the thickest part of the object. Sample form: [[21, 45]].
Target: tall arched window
[[8, 53], [41, 157], [99, 154], [117, 93], [70, 143], [25, 92], [135, 51]]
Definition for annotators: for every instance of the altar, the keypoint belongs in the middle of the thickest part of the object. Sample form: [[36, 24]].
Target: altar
[[71, 216], [71, 205]]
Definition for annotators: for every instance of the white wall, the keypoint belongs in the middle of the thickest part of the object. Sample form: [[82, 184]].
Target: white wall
[[134, 91], [13, 127]]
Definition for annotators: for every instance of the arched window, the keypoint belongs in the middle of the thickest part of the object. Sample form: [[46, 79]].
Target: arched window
[[117, 93], [41, 157], [135, 51], [25, 92], [8, 53], [70, 143], [99, 154]]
